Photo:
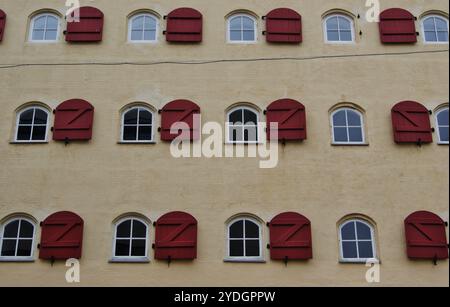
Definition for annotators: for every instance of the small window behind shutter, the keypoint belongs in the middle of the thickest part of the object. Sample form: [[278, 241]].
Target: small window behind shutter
[[291, 118], [411, 123], [176, 236], [88, 29], [290, 237], [179, 111], [73, 121], [397, 26], [184, 25], [2, 24], [61, 236], [426, 236], [284, 26]]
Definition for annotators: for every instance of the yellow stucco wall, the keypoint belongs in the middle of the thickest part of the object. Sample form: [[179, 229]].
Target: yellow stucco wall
[[101, 180]]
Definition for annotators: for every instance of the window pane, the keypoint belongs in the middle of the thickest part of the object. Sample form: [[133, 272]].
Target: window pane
[[145, 133], [355, 134], [129, 133], [138, 248], [11, 230], [39, 133], [124, 229], [26, 229], [428, 24], [9, 247], [50, 35], [236, 117], [52, 23], [236, 134], [235, 35], [235, 23], [443, 36], [131, 117], [250, 117], [365, 250], [248, 23], [24, 248], [340, 135], [333, 36], [353, 118], [251, 230], [38, 35], [24, 133], [441, 24], [26, 117], [252, 248], [443, 134], [364, 232], [339, 118], [349, 250], [346, 36], [139, 229], [332, 23], [136, 35], [248, 36], [39, 23], [344, 24], [40, 117], [236, 248], [150, 35], [138, 23], [348, 232], [145, 117], [251, 134], [150, 23], [237, 230], [122, 248], [430, 36]]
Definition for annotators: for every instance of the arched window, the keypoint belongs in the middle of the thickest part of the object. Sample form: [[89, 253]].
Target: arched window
[[357, 241], [242, 28], [44, 27], [143, 28], [242, 125], [339, 28], [244, 240], [17, 239], [435, 29], [137, 125], [131, 239], [348, 127], [442, 125], [31, 125]]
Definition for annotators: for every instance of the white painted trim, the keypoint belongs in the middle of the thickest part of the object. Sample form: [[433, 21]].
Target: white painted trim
[[130, 28], [228, 125], [144, 258], [260, 258], [255, 29], [352, 28], [138, 107], [32, 125], [423, 29], [372, 233], [44, 41], [18, 258], [437, 125], [363, 142]]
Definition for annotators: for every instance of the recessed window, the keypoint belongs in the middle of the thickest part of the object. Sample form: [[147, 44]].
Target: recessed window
[[44, 27], [131, 239], [16, 239], [242, 29], [143, 28], [137, 125], [357, 241], [442, 125], [242, 125], [435, 29], [348, 127], [339, 29], [244, 240], [31, 125]]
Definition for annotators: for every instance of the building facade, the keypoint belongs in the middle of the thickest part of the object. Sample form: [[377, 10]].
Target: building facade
[[349, 184]]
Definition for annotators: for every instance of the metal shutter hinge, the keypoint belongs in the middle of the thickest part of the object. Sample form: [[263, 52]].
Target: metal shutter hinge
[[264, 32], [268, 246]]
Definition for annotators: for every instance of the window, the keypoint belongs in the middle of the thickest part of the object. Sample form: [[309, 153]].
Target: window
[[32, 125], [16, 239], [347, 126], [137, 125], [242, 29], [143, 28], [435, 29], [357, 241], [44, 27], [131, 239], [242, 125], [244, 240], [339, 29], [442, 125]]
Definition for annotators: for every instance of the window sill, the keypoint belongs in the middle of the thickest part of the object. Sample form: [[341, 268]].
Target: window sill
[[136, 143], [244, 260], [130, 260], [443, 143], [359, 261], [27, 143], [349, 144], [17, 260]]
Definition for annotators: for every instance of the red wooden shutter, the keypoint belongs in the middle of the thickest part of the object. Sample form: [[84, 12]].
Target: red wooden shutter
[[73, 121], [284, 26], [426, 236], [411, 123], [184, 25], [179, 111], [61, 236], [397, 26], [2, 24], [291, 118], [290, 237], [88, 29], [176, 236]]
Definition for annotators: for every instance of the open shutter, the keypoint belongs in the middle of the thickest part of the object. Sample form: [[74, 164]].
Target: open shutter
[[176, 236], [73, 121], [184, 25], [397, 26], [411, 123], [88, 29], [290, 237], [2, 24], [284, 26], [291, 118], [179, 111], [61, 236], [426, 236]]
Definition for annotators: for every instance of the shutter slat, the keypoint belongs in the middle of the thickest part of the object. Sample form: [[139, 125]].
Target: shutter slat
[[88, 29], [291, 118]]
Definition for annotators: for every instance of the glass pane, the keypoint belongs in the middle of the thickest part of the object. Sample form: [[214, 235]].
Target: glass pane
[[236, 248], [443, 36], [333, 36], [248, 23], [9, 247], [235, 35], [236, 134], [39, 23], [129, 133], [346, 36], [124, 229], [145, 117], [138, 248], [11, 230], [122, 248], [237, 230], [24, 248], [249, 36], [38, 35], [136, 35], [441, 24], [353, 118], [145, 133], [332, 23], [52, 23], [251, 134], [340, 135], [131, 117], [344, 24], [139, 229], [251, 230], [365, 250], [428, 24], [150, 35], [24, 133], [339, 118], [138, 23], [348, 232], [252, 248], [443, 134], [355, 134], [235, 23], [50, 35], [26, 117], [150, 23], [26, 229], [364, 232], [40, 117], [430, 36], [250, 117], [349, 250], [39, 133], [236, 117]]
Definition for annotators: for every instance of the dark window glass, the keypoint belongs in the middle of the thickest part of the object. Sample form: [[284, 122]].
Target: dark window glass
[[26, 118], [39, 133], [124, 229], [443, 134], [138, 248], [129, 133], [348, 232], [251, 230], [364, 232], [340, 135], [24, 133], [365, 250], [145, 133], [122, 247], [250, 117], [349, 250], [40, 117], [9, 247], [355, 134], [131, 117], [252, 248], [443, 118], [339, 118], [236, 248], [236, 117], [26, 229], [24, 248], [139, 229], [250, 134], [145, 117], [353, 118], [237, 230], [11, 230]]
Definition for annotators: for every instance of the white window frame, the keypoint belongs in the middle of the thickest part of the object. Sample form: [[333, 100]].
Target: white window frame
[[341, 246], [137, 125], [19, 113], [130, 28], [255, 29], [147, 241], [438, 125], [43, 41], [435, 29], [352, 28], [228, 125], [334, 142], [260, 258], [17, 258]]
